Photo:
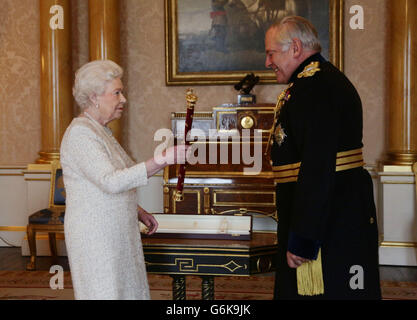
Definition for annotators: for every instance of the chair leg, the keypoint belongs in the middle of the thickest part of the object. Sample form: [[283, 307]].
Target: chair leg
[[31, 234], [52, 246]]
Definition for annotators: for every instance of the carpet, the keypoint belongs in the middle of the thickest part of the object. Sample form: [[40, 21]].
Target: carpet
[[394, 290], [34, 285]]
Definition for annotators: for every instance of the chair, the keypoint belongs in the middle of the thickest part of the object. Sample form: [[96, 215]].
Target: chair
[[49, 220]]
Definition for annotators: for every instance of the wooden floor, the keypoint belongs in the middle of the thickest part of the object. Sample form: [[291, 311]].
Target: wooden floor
[[11, 259]]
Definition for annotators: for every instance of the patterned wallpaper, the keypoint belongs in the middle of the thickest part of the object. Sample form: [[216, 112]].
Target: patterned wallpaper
[[20, 121], [150, 102], [366, 66]]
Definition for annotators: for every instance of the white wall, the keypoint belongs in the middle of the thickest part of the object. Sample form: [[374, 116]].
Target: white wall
[[13, 205]]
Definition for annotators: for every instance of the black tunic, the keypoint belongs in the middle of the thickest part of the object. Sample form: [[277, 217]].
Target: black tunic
[[325, 209]]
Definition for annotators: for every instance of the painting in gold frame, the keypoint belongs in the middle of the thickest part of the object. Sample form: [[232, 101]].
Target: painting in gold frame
[[199, 48]]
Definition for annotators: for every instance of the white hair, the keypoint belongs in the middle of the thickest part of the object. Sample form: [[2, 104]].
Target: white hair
[[297, 27], [92, 78]]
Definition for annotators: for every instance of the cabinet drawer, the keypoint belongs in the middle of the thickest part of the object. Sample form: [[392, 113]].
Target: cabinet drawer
[[243, 198]]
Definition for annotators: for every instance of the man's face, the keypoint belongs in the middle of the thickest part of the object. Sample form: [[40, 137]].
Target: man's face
[[282, 63]]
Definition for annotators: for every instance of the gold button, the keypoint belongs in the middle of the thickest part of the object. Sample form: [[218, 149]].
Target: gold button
[[372, 220]]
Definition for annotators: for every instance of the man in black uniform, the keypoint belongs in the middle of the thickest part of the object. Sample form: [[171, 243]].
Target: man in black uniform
[[327, 230]]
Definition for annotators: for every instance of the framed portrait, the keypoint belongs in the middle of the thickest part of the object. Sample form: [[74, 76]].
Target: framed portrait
[[214, 42]]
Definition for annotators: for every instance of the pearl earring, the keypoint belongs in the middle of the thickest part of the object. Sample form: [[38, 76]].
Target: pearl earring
[[97, 106]]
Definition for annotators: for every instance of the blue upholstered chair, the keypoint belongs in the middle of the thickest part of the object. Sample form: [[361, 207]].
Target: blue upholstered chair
[[49, 220]]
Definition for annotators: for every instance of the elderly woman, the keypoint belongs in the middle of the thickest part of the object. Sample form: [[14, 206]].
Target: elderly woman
[[101, 220]]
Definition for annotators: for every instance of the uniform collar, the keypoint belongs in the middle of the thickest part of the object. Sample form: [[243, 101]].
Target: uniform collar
[[314, 57]]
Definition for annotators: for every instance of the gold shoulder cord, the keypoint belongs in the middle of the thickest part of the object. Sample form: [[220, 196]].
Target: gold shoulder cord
[[280, 102], [309, 70]]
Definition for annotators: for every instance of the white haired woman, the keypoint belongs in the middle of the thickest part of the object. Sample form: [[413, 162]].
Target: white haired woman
[[101, 219]]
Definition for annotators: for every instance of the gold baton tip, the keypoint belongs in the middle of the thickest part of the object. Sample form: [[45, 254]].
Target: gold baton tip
[[190, 96], [178, 196]]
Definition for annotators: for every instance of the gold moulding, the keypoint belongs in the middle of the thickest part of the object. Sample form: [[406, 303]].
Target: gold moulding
[[398, 244], [398, 162], [13, 228], [402, 157], [47, 157]]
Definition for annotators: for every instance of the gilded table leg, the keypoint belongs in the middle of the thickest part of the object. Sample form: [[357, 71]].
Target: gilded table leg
[[207, 288], [178, 287], [31, 234]]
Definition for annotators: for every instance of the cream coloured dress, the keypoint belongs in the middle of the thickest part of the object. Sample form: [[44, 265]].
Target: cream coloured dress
[[101, 223]]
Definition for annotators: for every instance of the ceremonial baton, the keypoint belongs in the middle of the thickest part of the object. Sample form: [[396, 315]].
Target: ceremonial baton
[[191, 101]]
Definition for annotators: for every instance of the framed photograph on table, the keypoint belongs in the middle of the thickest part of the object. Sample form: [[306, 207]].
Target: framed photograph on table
[[214, 42]]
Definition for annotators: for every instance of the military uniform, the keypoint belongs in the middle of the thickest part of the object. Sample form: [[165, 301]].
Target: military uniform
[[324, 195]]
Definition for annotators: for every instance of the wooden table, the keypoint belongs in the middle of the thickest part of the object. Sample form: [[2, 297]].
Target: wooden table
[[209, 258]]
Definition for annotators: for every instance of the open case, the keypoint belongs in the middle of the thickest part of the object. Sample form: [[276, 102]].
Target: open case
[[194, 226]]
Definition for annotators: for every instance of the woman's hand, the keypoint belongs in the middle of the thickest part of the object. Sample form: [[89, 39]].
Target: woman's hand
[[295, 261], [148, 220], [176, 154]]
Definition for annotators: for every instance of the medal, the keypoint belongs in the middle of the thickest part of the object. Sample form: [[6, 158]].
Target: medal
[[279, 134]]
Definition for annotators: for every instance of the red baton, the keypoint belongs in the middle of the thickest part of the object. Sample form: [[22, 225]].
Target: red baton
[[191, 101]]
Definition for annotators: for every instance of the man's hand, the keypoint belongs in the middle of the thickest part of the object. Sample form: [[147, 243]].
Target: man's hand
[[148, 220], [295, 261]]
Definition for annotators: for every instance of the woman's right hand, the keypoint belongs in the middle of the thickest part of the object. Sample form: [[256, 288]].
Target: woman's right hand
[[177, 154], [173, 155]]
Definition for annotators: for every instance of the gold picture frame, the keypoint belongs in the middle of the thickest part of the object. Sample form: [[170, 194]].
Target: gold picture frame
[[176, 76]]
